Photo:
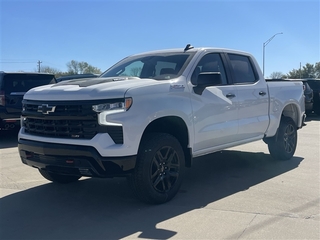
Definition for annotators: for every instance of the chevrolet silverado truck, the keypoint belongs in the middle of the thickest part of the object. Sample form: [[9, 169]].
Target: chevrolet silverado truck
[[151, 115]]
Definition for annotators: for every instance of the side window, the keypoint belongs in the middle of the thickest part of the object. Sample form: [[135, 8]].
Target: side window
[[209, 63], [242, 69]]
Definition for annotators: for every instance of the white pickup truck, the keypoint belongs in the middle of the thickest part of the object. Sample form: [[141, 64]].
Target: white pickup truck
[[151, 114]]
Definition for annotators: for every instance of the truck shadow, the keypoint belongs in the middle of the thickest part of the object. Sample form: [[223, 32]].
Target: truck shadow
[[106, 208], [312, 117], [9, 138]]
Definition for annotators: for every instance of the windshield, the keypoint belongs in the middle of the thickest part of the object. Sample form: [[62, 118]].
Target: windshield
[[162, 66]]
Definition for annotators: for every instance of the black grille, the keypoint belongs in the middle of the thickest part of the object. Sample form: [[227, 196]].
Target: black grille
[[72, 120], [66, 110], [71, 128]]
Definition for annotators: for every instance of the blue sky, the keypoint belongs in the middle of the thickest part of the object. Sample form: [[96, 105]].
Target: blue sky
[[103, 32]]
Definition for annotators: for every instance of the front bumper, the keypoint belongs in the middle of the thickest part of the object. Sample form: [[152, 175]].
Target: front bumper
[[73, 159]]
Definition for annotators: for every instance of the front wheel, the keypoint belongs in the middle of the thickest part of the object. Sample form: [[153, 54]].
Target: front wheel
[[59, 178], [159, 169], [283, 145]]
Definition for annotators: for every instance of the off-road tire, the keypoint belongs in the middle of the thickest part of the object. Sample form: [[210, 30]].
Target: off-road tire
[[283, 145], [58, 178], [159, 168]]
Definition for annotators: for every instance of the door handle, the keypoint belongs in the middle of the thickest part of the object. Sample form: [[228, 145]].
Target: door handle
[[262, 93], [230, 95]]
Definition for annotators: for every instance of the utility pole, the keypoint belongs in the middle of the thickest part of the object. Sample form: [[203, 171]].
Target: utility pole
[[300, 70], [264, 46], [39, 62]]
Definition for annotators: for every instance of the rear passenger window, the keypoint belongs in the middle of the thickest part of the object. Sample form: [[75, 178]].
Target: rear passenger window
[[24, 82], [242, 69]]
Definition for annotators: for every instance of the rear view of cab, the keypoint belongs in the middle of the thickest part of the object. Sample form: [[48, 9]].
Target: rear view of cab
[[13, 86]]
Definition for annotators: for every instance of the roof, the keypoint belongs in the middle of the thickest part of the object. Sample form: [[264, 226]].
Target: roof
[[175, 50]]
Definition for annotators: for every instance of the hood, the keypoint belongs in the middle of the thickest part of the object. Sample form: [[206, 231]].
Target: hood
[[89, 88]]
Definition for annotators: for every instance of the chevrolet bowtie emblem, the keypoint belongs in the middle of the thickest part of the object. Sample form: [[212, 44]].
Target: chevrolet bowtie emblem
[[46, 109]]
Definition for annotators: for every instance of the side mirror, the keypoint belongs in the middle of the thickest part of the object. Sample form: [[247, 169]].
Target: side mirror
[[207, 79]]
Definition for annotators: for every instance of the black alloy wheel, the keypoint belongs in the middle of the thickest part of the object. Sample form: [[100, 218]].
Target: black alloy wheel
[[283, 145], [159, 168], [164, 169]]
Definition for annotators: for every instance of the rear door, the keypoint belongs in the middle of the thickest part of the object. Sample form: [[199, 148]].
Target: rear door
[[252, 96]]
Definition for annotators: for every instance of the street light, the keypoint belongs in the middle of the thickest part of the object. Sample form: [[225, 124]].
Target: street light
[[264, 46]]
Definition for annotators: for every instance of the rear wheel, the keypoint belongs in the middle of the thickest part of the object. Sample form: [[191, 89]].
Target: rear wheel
[[283, 145], [59, 178], [159, 169]]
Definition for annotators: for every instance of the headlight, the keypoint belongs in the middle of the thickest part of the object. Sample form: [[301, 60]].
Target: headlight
[[115, 106]]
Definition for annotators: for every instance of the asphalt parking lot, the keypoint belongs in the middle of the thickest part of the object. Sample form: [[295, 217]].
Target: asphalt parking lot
[[239, 193]]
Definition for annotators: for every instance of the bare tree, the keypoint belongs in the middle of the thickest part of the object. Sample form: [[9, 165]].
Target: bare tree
[[75, 67], [277, 75], [47, 69]]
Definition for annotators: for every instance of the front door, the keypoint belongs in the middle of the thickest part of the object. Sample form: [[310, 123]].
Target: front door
[[215, 110]]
